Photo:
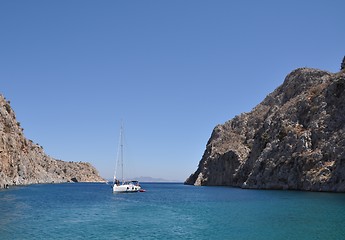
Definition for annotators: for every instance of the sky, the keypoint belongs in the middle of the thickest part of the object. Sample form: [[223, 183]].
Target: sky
[[169, 70]]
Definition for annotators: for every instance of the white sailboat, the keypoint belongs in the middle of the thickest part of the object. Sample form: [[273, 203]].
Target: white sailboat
[[123, 186]]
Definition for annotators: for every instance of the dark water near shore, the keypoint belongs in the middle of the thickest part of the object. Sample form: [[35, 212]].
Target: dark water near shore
[[168, 211]]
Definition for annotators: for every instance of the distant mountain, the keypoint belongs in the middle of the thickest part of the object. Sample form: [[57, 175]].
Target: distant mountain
[[148, 179], [24, 162], [294, 139], [151, 179]]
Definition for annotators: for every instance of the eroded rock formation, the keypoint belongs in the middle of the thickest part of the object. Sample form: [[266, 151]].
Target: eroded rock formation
[[294, 139], [24, 162]]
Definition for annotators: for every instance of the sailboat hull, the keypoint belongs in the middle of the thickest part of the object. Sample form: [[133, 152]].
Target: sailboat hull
[[126, 188]]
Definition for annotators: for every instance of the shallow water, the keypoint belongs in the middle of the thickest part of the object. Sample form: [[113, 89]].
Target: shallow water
[[168, 211]]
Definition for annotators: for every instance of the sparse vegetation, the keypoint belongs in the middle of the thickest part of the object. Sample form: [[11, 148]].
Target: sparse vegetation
[[282, 134], [317, 90], [8, 107]]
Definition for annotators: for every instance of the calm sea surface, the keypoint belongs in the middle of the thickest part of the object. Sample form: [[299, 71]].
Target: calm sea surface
[[168, 211]]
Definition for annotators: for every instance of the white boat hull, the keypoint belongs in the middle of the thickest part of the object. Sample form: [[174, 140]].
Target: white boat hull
[[126, 188]]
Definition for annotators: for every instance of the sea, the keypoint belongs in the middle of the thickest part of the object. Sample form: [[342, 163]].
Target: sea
[[168, 211]]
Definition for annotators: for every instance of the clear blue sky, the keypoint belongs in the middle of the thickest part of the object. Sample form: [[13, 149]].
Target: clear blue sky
[[172, 70]]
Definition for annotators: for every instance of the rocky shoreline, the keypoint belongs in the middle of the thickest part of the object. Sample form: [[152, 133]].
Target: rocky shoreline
[[294, 139], [24, 162]]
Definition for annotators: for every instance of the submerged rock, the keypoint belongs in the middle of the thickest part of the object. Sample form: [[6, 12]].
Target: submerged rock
[[24, 162], [294, 139]]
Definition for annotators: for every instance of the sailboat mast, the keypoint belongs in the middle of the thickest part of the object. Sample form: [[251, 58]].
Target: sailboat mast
[[121, 146], [119, 159]]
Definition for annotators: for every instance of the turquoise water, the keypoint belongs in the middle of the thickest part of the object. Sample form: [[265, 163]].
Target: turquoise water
[[168, 211]]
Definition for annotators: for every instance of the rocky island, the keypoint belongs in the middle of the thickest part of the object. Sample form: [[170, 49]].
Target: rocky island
[[294, 139], [24, 162]]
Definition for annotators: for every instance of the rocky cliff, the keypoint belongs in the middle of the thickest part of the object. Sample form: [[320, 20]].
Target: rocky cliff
[[24, 162], [294, 139]]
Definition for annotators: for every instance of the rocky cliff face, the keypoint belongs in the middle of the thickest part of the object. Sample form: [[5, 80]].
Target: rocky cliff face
[[24, 162], [294, 139]]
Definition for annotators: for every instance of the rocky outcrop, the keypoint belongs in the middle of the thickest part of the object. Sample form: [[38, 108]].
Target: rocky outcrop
[[294, 139], [24, 162]]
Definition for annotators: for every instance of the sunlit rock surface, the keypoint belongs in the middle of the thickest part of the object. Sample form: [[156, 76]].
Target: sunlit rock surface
[[294, 139], [24, 162]]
